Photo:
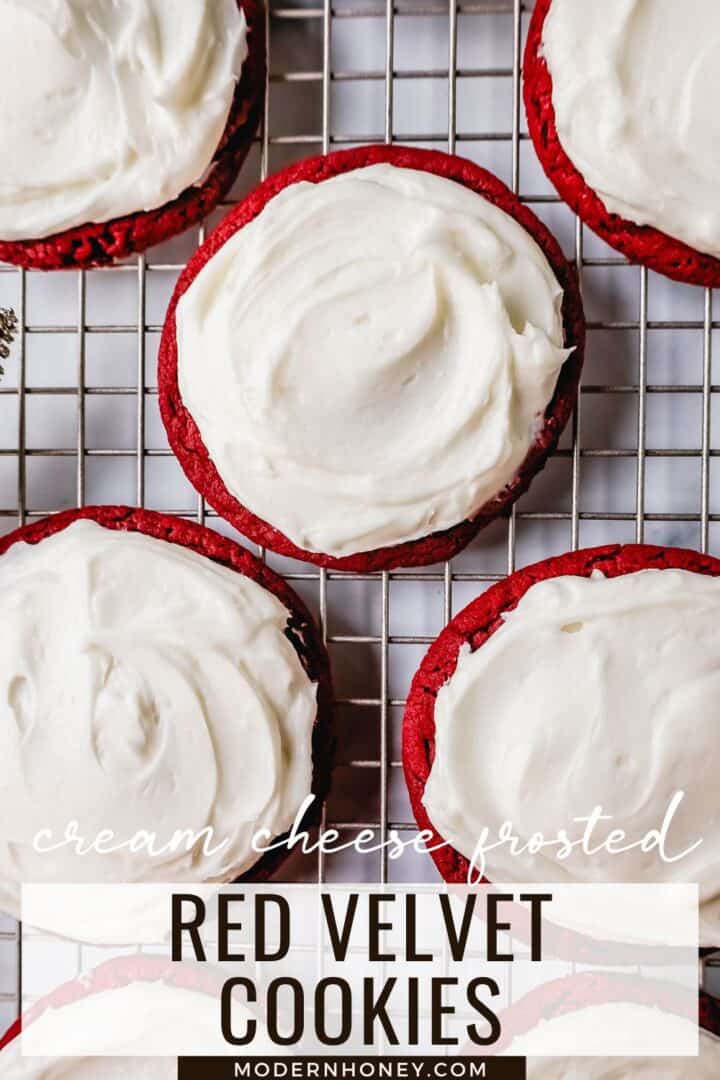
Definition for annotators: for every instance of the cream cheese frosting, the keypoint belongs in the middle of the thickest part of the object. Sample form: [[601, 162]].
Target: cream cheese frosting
[[141, 1018], [629, 1025], [592, 692], [635, 84], [132, 1025], [143, 687], [109, 107], [15, 1067], [705, 1067], [369, 360]]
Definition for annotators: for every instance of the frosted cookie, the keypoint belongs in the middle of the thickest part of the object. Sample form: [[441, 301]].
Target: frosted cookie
[[371, 358], [125, 121]]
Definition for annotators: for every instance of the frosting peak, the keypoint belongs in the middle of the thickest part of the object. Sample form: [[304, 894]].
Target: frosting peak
[[110, 106]]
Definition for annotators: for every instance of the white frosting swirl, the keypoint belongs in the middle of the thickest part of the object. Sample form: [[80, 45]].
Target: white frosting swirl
[[593, 692], [15, 1067], [635, 85], [108, 107], [704, 1067], [141, 1018], [369, 359], [630, 1026], [143, 687]]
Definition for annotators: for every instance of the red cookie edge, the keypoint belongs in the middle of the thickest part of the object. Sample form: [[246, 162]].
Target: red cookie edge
[[119, 972], [590, 989], [103, 243], [561, 996], [301, 630], [473, 626], [185, 438], [641, 244]]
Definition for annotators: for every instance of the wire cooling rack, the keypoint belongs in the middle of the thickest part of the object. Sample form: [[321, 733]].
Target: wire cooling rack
[[79, 418]]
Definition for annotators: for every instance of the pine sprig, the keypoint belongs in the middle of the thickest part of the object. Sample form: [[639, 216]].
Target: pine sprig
[[8, 330]]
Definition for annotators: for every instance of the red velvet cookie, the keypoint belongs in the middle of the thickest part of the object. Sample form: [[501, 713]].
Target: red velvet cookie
[[185, 438], [300, 630], [102, 243], [641, 244], [116, 974], [473, 626], [592, 989], [562, 996]]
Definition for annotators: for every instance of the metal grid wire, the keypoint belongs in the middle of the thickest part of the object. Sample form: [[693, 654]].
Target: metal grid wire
[[639, 467]]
